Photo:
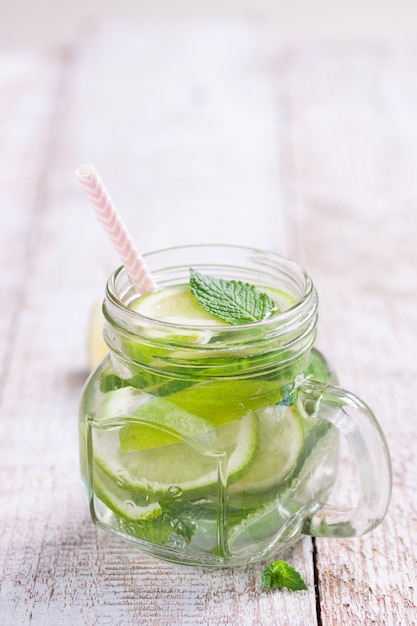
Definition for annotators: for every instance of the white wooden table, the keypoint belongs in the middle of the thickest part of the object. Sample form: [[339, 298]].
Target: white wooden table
[[202, 133]]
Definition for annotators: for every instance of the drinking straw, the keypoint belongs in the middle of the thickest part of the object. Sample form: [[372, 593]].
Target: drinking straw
[[111, 220]]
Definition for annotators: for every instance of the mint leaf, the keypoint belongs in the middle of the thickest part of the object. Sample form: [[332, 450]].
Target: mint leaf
[[281, 574], [230, 300]]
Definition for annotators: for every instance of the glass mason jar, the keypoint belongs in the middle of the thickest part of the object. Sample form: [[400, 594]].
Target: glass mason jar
[[219, 445]]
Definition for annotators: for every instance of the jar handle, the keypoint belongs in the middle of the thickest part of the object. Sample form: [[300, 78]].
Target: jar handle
[[368, 447]]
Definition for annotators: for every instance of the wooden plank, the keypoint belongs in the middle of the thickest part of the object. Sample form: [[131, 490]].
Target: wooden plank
[[181, 122], [354, 165], [27, 93]]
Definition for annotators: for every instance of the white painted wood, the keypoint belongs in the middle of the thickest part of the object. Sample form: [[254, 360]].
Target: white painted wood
[[354, 130], [313, 153], [27, 94]]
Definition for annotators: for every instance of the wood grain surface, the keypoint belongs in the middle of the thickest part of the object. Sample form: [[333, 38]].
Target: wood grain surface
[[203, 132]]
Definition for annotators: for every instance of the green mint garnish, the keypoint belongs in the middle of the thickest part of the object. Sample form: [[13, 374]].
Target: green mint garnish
[[230, 300], [281, 574]]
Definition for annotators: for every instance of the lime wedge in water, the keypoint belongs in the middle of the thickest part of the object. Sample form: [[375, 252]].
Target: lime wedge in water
[[161, 421], [137, 457], [150, 449], [225, 400]]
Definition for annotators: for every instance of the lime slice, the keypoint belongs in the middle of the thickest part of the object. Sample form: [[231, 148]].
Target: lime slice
[[282, 299], [169, 471], [116, 499], [281, 438], [175, 305], [278, 510]]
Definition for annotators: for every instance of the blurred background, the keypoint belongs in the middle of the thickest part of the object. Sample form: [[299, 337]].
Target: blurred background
[[54, 22], [215, 112]]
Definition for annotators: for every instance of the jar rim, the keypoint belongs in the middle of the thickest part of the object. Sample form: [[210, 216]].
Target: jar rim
[[120, 291]]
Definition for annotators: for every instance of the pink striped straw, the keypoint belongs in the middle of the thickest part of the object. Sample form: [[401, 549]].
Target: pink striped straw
[[110, 218]]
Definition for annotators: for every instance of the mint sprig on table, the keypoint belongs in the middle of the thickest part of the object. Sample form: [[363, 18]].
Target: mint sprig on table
[[281, 574], [232, 301]]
